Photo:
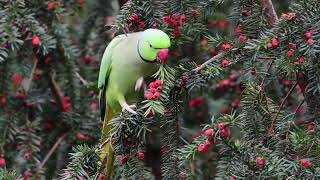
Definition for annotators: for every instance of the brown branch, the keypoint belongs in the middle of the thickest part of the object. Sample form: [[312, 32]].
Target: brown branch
[[56, 90], [268, 7], [51, 151], [271, 131], [208, 62], [29, 82]]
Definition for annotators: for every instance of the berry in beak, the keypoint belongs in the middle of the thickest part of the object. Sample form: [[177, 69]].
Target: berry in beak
[[163, 56]]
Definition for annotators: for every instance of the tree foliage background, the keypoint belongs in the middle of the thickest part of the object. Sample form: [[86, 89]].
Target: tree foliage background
[[240, 96]]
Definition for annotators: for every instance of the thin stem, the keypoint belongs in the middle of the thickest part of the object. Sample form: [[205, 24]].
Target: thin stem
[[271, 131], [56, 90], [51, 151], [208, 62], [35, 63]]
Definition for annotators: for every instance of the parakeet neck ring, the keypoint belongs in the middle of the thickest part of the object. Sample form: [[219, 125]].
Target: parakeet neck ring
[[145, 60]]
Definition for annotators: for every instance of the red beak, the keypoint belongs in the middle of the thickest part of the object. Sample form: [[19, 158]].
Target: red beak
[[163, 55]]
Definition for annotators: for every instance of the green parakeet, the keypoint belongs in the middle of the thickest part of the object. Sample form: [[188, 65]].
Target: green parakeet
[[126, 61]]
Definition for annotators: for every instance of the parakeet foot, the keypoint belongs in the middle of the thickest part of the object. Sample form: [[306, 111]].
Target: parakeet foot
[[129, 108], [140, 83]]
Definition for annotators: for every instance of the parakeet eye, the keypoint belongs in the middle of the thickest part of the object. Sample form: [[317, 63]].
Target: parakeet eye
[[150, 45]]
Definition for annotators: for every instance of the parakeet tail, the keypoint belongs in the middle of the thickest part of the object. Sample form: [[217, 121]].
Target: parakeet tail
[[107, 149]]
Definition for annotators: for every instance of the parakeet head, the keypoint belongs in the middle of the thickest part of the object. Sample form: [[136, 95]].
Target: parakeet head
[[152, 43]]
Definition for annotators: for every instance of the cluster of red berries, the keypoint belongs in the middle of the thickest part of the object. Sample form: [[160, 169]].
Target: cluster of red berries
[[124, 158], [274, 44], [224, 130], [222, 24], [154, 91], [136, 22], [81, 136], [309, 35], [66, 104], [207, 146], [174, 21]]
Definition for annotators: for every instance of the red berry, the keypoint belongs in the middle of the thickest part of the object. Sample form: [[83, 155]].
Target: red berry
[[81, 136], [225, 63], [242, 39], [156, 96], [149, 95], [2, 162], [292, 45], [290, 54], [3, 101], [17, 79], [237, 31], [152, 90], [141, 155], [194, 11], [160, 88], [226, 47], [183, 17], [310, 129], [224, 133], [310, 41], [36, 41], [301, 60], [209, 132], [305, 163], [66, 99], [223, 24], [274, 43], [66, 107], [232, 178], [212, 23], [158, 83], [152, 85], [142, 25], [81, 4], [221, 126], [202, 149], [51, 6], [123, 159], [27, 155], [176, 32], [93, 106], [260, 162], [184, 78], [87, 60], [102, 177], [308, 35]]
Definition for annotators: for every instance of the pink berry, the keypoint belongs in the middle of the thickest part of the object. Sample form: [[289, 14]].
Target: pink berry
[[149, 95], [156, 96], [209, 132]]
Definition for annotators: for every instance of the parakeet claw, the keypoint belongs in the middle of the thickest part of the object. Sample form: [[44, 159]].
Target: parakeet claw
[[139, 84], [128, 108]]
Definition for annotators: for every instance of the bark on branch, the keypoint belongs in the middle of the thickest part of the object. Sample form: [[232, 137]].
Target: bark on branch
[[268, 7], [55, 88]]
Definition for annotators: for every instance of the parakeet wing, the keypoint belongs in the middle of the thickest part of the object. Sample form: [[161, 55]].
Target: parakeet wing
[[105, 69]]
